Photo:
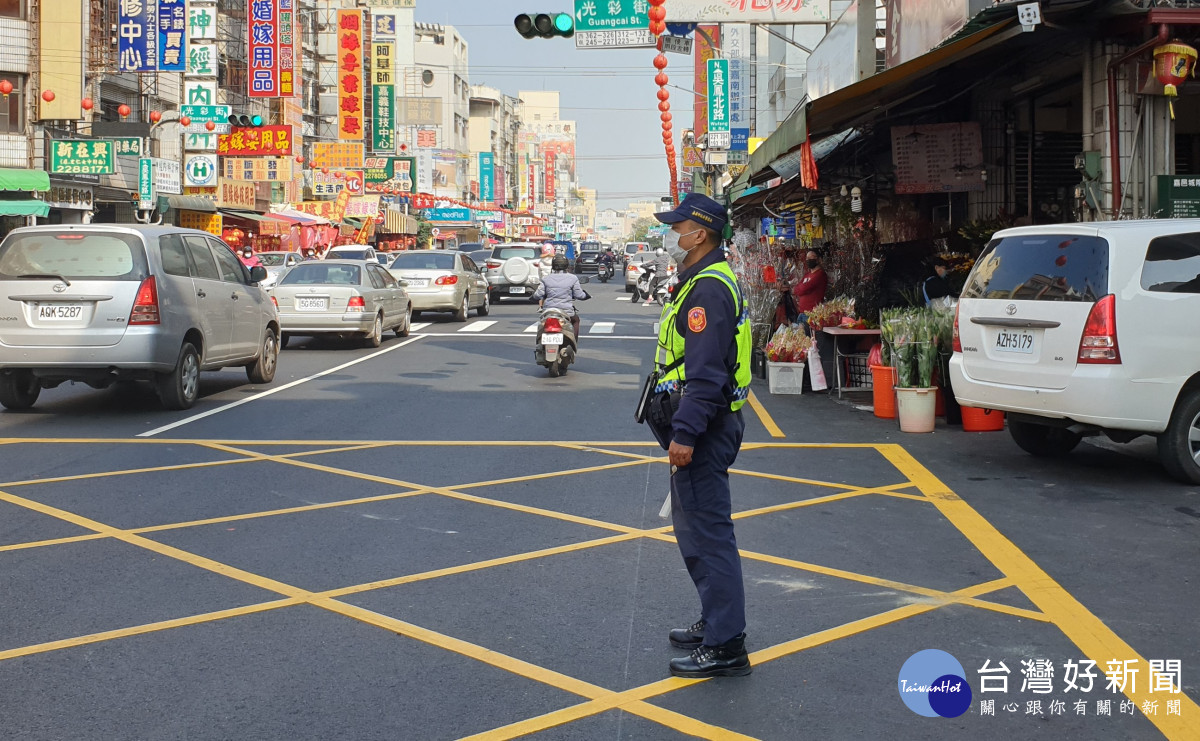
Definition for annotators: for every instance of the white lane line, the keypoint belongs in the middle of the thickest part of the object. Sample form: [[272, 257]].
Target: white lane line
[[461, 336], [531, 328], [602, 328], [268, 392], [624, 298], [419, 326], [476, 327]]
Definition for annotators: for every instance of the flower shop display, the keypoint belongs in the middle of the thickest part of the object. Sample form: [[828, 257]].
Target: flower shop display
[[830, 313], [915, 357], [786, 353]]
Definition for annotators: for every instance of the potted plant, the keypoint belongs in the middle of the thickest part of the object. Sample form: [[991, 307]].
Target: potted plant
[[786, 352], [915, 356]]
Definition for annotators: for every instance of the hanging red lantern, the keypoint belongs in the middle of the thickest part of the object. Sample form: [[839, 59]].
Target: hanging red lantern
[[658, 28], [661, 79], [657, 13], [210, 125], [656, 3], [6, 87], [184, 120], [663, 94], [155, 116], [1174, 62], [664, 106], [86, 104], [300, 159], [665, 116], [124, 110], [339, 174], [324, 170], [48, 96], [666, 126], [660, 62]]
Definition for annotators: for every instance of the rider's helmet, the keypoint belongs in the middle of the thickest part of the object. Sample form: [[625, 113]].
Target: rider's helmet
[[659, 251], [560, 264], [247, 252]]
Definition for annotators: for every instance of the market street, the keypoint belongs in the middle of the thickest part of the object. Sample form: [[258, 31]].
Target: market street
[[434, 540]]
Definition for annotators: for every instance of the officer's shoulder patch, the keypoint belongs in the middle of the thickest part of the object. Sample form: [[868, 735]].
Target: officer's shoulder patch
[[697, 320]]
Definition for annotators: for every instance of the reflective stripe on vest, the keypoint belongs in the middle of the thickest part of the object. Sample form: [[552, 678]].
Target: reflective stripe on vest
[[671, 342]]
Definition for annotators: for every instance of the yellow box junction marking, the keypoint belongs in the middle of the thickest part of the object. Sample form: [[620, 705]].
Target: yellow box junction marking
[[1054, 604]]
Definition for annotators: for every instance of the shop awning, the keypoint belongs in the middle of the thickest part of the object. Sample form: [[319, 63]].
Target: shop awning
[[396, 222], [29, 180], [186, 203], [24, 208], [446, 235], [838, 110], [293, 216], [247, 215]]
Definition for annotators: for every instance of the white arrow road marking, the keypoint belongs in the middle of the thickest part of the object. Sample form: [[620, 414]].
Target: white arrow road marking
[[531, 328]]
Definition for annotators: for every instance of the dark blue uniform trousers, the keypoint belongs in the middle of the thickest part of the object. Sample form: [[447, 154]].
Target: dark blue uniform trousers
[[700, 511]]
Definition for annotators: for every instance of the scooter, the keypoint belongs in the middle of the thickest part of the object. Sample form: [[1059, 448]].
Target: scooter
[[641, 289], [604, 272], [556, 342]]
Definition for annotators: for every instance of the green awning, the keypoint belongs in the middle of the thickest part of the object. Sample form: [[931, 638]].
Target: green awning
[[24, 208], [24, 179], [247, 215], [186, 203], [790, 134]]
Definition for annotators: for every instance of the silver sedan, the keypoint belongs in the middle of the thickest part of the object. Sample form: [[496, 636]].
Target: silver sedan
[[438, 280], [342, 297]]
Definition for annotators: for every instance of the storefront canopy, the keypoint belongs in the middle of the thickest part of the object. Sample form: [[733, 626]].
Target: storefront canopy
[[24, 208], [28, 180], [249, 215], [186, 203], [842, 108]]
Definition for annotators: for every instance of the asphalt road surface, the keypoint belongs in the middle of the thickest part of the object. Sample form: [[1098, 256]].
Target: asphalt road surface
[[435, 540]]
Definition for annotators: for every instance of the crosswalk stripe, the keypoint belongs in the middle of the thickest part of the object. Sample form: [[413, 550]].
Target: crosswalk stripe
[[602, 328], [531, 328], [476, 327], [624, 298], [419, 326]]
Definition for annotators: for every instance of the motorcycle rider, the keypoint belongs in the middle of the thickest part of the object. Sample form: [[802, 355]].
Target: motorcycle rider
[[310, 254], [560, 290], [249, 259], [607, 259], [662, 263]]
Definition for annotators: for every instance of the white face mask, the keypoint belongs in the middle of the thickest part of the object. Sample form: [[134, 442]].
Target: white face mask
[[671, 245]]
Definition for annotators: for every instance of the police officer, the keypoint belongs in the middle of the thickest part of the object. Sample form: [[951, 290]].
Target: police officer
[[706, 324]]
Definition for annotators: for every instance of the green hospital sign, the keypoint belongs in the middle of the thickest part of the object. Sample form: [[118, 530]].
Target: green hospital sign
[[86, 157]]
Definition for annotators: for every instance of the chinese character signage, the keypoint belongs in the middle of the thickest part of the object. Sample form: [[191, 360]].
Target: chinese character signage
[[274, 141], [202, 20], [91, 157], [747, 11], [384, 25], [350, 74], [548, 181], [235, 194], [427, 138], [168, 175], [390, 172], [271, 48], [383, 96], [718, 95], [419, 111], [337, 155], [259, 169], [137, 36], [202, 60], [737, 50], [172, 25], [487, 174], [362, 206], [205, 222], [128, 146]]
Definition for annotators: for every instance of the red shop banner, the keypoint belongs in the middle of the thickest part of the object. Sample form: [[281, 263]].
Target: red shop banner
[[273, 141], [271, 47], [350, 74], [549, 185]]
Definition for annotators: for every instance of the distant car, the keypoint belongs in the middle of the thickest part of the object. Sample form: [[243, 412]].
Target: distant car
[[278, 263], [480, 257], [342, 297], [633, 248], [1084, 329], [437, 280], [102, 303], [588, 262], [515, 269], [636, 259], [470, 246], [352, 252]]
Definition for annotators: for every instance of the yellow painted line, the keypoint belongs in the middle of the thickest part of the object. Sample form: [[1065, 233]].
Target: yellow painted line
[[1097, 641], [477, 566], [379, 443], [848, 494], [55, 541], [137, 630], [764, 416], [549, 475]]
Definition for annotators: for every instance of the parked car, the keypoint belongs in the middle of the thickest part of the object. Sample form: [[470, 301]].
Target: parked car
[[470, 246], [633, 248], [588, 262], [636, 259], [443, 281], [342, 297], [1084, 329], [479, 257], [105, 303], [515, 269], [278, 263], [352, 252]]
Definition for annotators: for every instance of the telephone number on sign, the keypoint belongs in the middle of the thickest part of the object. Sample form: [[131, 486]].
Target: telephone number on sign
[[83, 169]]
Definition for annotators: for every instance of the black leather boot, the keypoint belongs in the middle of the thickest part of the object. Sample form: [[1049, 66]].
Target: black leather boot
[[689, 638], [727, 660]]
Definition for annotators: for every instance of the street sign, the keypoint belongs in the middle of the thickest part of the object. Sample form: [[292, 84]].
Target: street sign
[[612, 24], [676, 44], [146, 184], [435, 231], [718, 99], [719, 139], [201, 114]]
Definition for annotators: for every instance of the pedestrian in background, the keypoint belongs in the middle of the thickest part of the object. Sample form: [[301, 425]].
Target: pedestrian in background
[[935, 288], [703, 360]]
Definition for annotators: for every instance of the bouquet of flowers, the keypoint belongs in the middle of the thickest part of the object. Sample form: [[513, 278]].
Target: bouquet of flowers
[[789, 344], [830, 313]]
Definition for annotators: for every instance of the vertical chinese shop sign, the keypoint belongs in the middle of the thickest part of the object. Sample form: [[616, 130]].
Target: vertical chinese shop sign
[[383, 96], [271, 48], [350, 74]]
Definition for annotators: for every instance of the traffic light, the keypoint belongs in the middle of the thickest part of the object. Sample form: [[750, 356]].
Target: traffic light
[[545, 25], [245, 121]]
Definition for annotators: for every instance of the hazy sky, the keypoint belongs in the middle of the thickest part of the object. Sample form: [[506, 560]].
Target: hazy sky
[[610, 93]]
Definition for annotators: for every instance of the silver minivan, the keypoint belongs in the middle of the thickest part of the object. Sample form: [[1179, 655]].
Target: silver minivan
[[101, 303]]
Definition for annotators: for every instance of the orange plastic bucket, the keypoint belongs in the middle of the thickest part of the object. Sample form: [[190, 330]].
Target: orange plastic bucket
[[883, 383], [940, 410], [982, 420]]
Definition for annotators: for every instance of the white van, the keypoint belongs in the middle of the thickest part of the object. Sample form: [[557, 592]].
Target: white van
[[1082, 329]]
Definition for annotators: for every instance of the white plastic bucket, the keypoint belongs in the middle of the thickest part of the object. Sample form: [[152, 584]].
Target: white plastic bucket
[[916, 409], [785, 378]]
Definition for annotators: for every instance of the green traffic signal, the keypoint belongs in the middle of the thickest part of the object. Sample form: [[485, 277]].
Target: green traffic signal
[[545, 25], [245, 121]]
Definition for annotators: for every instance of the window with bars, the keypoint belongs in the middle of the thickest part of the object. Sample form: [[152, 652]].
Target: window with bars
[[12, 106]]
